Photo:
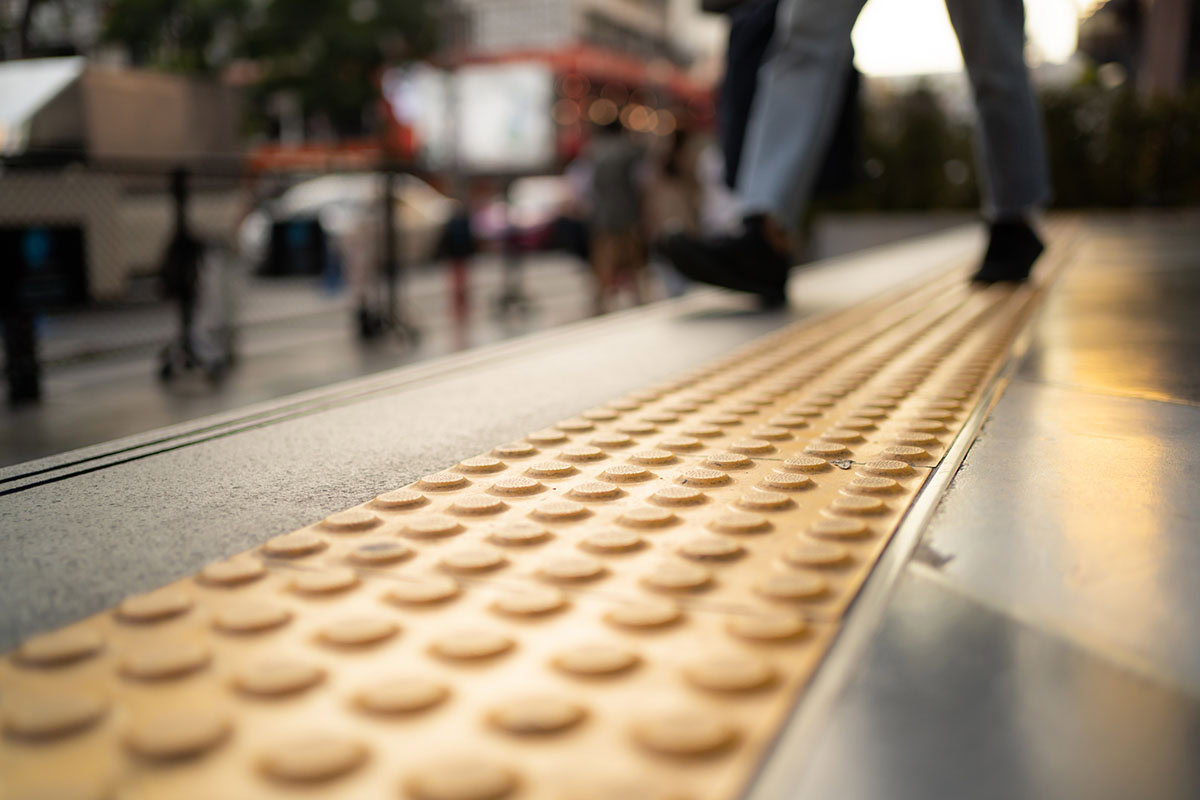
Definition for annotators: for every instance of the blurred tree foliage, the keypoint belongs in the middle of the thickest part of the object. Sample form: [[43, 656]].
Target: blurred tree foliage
[[325, 52], [1107, 148]]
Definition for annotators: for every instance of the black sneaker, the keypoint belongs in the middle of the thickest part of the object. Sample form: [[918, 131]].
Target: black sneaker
[[745, 262], [1013, 247]]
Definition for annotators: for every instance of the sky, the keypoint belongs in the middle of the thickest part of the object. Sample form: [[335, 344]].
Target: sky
[[914, 37]]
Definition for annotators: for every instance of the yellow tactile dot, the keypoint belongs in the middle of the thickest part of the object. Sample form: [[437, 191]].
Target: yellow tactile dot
[[805, 411], [926, 426], [684, 733], [575, 425], [570, 568], [803, 463], [551, 469], [873, 484], [857, 424], [681, 443], [544, 438], [792, 421], [431, 526], [294, 545], [857, 504], [702, 476], [600, 414], [636, 427], [531, 601], [461, 779], [647, 517], [839, 528], [420, 590], [771, 433], [841, 436], [164, 659], [313, 758], [471, 644], [400, 498], [624, 404], [581, 452], [177, 733], [519, 533], [792, 586], [482, 464], [324, 581], [678, 496], [945, 404], [595, 660], [536, 715], [787, 481], [677, 576], [935, 414], [441, 481], [276, 676], [767, 627], [233, 572], [653, 457], [660, 417], [612, 541], [560, 510], [752, 446], [826, 449], [357, 631], [904, 452], [595, 490], [759, 500], [728, 461], [514, 450], [60, 647], [871, 412], [626, 473], [250, 616], [154, 606], [739, 522], [476, 505], [703, 431], [517, 485], [401, 695], [721, 420], [647, 613], [610, 440], [884, 401], [45, 714], [681, 407], [473, 559], [888, 468], [741, 409], [379, 551], [711, 548], [351, 520], [917, 438], [730, 673], [816, 554]]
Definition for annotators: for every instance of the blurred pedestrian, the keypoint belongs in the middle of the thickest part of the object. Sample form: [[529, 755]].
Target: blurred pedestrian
[[792, 121], [674, 198], [618, 250]]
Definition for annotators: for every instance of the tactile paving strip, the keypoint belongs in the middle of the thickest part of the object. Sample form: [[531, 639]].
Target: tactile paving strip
[[624, 605]]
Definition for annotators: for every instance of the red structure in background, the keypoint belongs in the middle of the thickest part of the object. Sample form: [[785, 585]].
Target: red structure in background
[[584, 74]]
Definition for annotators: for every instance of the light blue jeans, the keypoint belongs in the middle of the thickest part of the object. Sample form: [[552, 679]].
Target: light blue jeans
[[800, 89]]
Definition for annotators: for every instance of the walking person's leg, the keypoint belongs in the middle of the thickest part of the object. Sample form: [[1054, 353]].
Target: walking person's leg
[[795, 107], [1010, 145]]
